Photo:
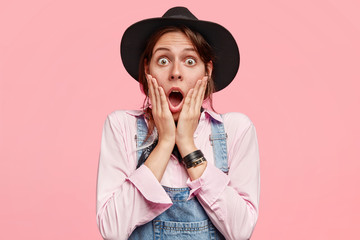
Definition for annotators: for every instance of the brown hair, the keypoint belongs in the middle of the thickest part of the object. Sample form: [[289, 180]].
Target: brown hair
[[201, 46]]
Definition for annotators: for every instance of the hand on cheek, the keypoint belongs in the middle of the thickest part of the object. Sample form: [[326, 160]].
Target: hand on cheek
[[163, 118], [189, 118]]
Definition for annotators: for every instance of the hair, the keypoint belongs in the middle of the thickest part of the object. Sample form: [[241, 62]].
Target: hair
[[201, 46]]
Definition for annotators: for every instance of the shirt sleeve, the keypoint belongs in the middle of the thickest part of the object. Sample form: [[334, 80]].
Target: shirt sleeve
[[126, 198], [231, 201]]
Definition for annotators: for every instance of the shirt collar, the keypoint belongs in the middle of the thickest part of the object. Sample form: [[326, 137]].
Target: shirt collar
[[135, 113], [209, 113], [204, 114]]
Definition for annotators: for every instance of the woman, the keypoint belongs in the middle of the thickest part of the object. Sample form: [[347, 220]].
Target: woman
[[175, 170]]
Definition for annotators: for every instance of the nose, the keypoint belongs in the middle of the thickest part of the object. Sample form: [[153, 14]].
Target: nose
[[175, 72]]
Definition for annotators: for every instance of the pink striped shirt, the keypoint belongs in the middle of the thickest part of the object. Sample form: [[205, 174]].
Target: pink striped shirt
[[128, 197]]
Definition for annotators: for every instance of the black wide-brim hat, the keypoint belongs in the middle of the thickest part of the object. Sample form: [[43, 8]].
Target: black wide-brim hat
[[227, 56]]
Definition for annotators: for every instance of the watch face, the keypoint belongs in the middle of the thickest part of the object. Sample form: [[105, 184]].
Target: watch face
[[195, 162]]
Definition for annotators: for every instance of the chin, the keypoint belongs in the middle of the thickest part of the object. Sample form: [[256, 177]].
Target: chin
[[176, 116]]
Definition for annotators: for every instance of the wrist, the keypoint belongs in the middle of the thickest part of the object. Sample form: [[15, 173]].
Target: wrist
[[194, 159], [186, 148], [196, 172], [166, 144]]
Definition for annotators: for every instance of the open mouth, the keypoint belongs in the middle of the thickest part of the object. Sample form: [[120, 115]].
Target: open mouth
[[175, 97]]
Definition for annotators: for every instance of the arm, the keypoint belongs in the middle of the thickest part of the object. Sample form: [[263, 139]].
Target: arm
[[231, 201], [159, 157], [188, 122], [126, 198]]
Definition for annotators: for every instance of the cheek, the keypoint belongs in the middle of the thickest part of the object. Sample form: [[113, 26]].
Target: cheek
[[195, 74], [189, 86], [159, 74], [194, 79]]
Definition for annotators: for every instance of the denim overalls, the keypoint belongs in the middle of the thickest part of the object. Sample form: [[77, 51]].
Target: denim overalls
[[184, 219]]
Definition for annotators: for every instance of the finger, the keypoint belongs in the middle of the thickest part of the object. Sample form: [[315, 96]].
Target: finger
[[151, 91], [200, 97], [157, 95], [187, 101], [195, 94], [164, 103]]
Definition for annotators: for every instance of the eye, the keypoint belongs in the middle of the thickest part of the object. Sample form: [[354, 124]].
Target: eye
[[163, 61], [190, 61]]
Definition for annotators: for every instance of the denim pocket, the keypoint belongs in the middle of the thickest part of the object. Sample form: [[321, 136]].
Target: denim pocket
[[183, 230]]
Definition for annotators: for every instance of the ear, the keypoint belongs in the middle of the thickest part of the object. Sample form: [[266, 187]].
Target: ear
[[209, 66], [146, 66]]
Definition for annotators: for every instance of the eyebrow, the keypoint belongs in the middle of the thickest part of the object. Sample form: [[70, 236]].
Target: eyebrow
[[167, 49]]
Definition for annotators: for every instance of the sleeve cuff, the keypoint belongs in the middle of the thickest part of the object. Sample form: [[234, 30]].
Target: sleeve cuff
[[210, 185], [148, 185]]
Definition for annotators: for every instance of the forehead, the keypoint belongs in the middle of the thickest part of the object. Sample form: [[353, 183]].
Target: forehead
[[173, 39]]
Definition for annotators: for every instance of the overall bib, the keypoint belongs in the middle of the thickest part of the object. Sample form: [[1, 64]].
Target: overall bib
[[184, 219]]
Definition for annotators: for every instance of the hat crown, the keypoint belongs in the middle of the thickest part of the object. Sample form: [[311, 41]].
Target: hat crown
[[179, 12]]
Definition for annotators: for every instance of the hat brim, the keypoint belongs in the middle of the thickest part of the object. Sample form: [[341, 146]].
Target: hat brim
[[220, 39]]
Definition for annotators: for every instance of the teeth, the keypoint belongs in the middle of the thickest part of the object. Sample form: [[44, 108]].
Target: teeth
[[175, 91]]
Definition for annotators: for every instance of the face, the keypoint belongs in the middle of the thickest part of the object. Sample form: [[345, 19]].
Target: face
[[177, 67]]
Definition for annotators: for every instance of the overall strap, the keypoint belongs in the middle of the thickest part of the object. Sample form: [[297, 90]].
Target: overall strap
[[141, 132], [218, 141]]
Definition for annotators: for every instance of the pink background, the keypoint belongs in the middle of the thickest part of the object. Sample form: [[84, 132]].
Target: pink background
[[61, 74]]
